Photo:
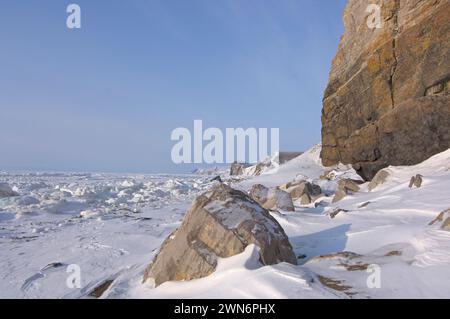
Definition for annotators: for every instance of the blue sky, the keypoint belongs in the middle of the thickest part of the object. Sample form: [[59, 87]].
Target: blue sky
[[106, 97]]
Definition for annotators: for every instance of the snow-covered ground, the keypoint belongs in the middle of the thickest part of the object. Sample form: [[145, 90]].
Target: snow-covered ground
[[112, 225], [106, 224]]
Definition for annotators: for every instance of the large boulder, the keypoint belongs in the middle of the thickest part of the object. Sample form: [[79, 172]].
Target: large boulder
[[221, 223], [272, 198], [387, 101]]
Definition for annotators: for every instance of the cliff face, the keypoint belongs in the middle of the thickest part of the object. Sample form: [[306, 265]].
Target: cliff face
[[388, 97]]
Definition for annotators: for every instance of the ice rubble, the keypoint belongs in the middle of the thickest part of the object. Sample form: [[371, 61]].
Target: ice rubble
[[70, 194]]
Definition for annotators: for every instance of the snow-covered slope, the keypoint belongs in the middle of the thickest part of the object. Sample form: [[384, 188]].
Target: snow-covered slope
[[307, 166], [382, 233]]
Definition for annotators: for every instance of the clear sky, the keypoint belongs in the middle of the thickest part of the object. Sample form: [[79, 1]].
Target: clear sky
[[106, 97]]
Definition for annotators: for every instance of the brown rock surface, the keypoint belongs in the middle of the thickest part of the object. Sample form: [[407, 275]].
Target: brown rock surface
[[221, 223], [378, 179], [311, 189], [444, 219], [416, 181], [345, 187], [388, 101]]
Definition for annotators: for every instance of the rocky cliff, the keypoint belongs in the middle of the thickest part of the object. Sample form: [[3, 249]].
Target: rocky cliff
[[388, 101]]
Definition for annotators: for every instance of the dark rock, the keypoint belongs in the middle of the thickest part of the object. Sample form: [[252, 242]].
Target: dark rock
[[217, 179], [99, 290], [416, 181]]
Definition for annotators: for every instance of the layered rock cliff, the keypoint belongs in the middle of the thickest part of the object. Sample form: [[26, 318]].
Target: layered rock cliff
[[388, 101]]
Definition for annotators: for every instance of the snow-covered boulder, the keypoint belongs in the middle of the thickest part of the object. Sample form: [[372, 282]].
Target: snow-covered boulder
[[6, 191], [272, 198], [303, 190], [221, 223]]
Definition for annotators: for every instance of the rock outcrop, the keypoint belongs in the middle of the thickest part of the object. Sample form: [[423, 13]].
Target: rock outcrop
[[272, 198], [221, 223], [388, 101]]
